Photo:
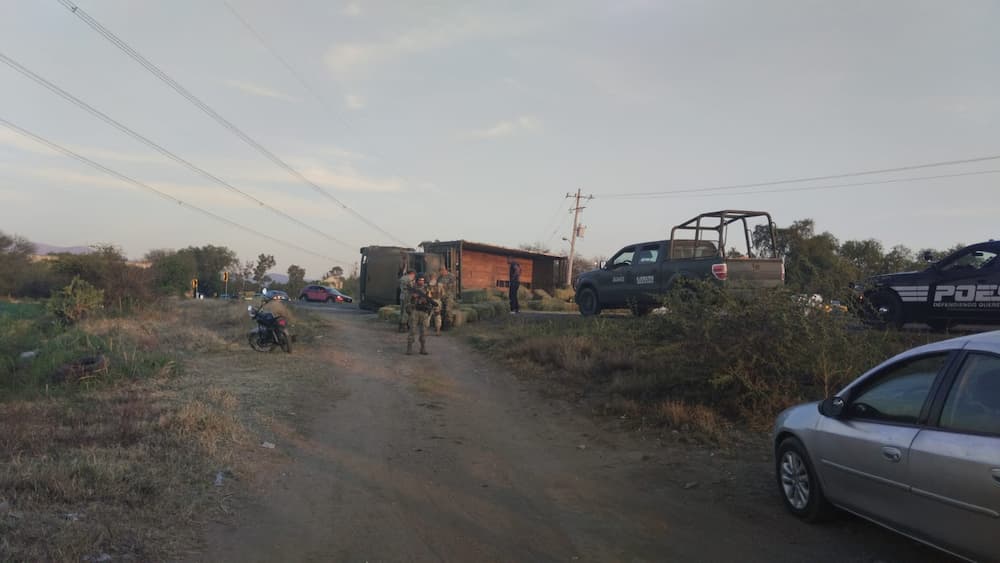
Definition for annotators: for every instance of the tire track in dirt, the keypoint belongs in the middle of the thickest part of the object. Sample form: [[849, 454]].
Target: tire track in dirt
[[444, 458]]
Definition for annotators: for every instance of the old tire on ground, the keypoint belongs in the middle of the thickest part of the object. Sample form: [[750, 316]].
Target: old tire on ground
[[886, 309], [801, 492], [588, 302]]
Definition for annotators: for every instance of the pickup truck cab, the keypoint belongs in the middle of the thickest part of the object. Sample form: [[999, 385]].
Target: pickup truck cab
[[962, 288], [639, 275]]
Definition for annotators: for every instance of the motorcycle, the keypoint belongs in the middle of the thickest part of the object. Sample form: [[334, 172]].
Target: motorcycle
[[271, 331]]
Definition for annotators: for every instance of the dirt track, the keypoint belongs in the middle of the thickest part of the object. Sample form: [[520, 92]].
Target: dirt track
[[443, 458]]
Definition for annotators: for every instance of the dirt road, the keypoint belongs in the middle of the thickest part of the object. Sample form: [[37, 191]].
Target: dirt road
[[445, 458]]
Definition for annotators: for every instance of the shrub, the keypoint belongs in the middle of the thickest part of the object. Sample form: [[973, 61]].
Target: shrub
[[540, 294], [76, 301]]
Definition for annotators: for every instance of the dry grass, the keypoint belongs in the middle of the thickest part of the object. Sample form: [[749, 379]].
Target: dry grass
[[122, 471], [126, 467]]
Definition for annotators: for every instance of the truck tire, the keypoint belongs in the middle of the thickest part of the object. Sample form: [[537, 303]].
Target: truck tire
[[886, 309], [587, 301]]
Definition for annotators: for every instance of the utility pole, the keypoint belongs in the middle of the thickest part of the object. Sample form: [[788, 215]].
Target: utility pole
[[577, 208]]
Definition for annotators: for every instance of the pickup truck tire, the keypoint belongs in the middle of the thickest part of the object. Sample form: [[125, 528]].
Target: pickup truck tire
[[587, 301], [886, 309]]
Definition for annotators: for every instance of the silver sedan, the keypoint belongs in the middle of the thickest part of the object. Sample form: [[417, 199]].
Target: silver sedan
[[913, 445]]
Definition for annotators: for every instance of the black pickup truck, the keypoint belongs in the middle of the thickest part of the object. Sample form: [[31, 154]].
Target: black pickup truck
[[639, 275], [962, 288]]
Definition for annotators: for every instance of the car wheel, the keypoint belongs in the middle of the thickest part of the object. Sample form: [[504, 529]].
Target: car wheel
[[800, 489], [329, 299], [587, 300], [886, 309]]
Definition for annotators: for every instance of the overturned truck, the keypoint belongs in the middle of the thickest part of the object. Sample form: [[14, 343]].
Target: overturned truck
[[475, 266]]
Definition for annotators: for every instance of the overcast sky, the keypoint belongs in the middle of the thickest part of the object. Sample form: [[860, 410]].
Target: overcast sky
[[445, 120]]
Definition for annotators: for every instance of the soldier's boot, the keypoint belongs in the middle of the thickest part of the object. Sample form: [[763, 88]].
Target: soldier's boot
[[409, 348], [423, 349]]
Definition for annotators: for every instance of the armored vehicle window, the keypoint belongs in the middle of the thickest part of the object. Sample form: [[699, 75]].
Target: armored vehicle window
[[624, 258], [970, 260], [648, 254]]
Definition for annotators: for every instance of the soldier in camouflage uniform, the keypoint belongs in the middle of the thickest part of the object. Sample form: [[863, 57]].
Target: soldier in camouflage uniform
[[420, 307], [447, 287], [434, 292], [405, 285]]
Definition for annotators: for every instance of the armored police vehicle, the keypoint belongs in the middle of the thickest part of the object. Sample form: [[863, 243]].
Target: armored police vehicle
[[962, 288], [640, 275]]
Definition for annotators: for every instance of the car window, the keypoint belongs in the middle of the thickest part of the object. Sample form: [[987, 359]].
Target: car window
[[899, 392], [648, 254], [971, 260], [624, 258], [973, 404]]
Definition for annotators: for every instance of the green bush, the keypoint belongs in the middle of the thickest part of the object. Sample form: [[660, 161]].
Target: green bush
[[470, 313], [565, 294], [537, 294], [480, 296], [76, 301]]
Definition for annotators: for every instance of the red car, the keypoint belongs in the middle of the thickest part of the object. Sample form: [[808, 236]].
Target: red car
[[323, 294]]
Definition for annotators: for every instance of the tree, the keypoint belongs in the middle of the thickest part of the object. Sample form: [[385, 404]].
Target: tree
[[15, 258], [245, 273], [212, 261], [264, 263], [172, 270], [536, 246], [296, 280], [335, 272], [867, 256]]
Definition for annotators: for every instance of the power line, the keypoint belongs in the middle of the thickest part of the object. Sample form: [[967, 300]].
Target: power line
[[815, 188], [166, 79], [284, 62], [125, 129], [160, 193], [555, 217], [807, 179]]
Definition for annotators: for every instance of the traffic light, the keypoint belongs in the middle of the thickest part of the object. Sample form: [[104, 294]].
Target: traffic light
[[194, 283], [225, 277]]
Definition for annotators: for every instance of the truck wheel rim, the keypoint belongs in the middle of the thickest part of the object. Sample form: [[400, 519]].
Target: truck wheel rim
[[795, 480]]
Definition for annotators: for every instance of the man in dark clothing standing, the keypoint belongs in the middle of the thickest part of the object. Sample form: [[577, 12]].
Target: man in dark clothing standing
[[515, 284]]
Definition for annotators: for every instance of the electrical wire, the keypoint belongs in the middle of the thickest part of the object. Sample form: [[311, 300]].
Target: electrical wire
[[130, 132], [59, 148], [826, 187], [228, 125], [807, 179]]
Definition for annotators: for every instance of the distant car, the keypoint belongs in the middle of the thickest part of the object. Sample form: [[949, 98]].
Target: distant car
[[277, 295], [324, 294], [913, 445]]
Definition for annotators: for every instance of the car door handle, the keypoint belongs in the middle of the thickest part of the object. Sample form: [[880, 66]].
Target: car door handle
[[892, 454]]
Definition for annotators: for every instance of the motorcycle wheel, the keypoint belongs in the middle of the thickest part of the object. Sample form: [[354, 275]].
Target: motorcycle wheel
[[285, 342], [258, 344]]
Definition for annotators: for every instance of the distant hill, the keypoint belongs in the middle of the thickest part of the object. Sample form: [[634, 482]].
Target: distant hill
[[278, 278], [42, 249]]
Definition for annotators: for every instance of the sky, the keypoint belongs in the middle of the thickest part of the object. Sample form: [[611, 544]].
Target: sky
[[472, 120]]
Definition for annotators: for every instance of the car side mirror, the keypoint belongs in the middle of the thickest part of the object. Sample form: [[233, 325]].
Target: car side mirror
[[602, 265], [833, 407]]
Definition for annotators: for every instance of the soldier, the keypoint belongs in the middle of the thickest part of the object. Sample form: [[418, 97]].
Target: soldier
[[515, 283], [420, 307], [447, 287], [434, 292], [405, 285]]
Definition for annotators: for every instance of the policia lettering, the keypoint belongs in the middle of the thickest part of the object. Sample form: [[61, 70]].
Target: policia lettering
[[967, 296]]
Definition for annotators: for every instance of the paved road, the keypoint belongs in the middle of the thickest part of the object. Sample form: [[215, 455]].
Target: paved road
[[443, 458]]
